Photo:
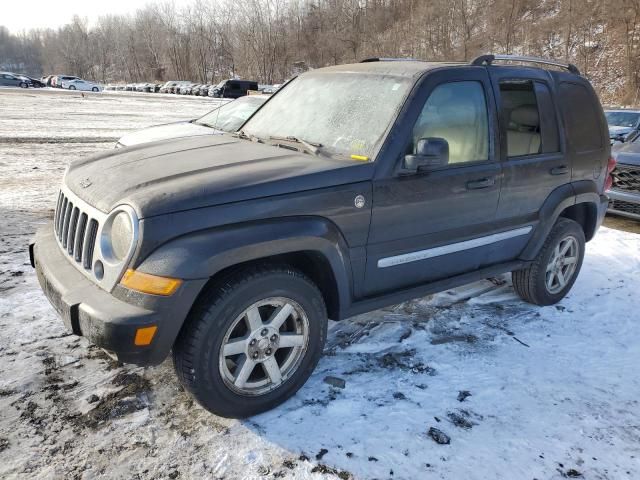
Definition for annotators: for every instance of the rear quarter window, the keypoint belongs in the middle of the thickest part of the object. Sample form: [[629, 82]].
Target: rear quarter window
[[581, 117]]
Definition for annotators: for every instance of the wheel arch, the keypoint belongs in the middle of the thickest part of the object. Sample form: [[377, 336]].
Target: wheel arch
[[577, 201], [312, 245]]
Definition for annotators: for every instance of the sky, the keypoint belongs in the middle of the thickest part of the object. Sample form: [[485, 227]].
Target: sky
[[18, 16]]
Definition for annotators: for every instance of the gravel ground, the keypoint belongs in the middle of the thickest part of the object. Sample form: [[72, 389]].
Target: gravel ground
[[516, 391]]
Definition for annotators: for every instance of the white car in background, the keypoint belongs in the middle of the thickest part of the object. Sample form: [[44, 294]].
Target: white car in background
[[79, 84]]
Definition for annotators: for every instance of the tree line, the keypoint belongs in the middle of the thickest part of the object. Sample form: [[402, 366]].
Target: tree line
[[271, 40]]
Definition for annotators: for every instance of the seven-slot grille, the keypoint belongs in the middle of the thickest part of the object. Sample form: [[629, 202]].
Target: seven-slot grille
[[75, 230], [627, 178]]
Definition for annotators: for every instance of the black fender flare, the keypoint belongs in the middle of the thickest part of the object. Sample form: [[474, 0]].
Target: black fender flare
[[567, 195], [204, 253]]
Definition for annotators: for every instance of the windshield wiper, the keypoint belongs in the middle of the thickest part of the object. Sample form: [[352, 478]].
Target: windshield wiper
[[244, 136], [310, 147]]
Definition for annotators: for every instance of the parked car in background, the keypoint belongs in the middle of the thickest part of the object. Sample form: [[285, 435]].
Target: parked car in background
[[233, 88], [32, 82], [83, 85], [8, 79], [624, 124], [59, 80], [226, 118], [175, 88], [625, 190], [204, 90], [166, 86]]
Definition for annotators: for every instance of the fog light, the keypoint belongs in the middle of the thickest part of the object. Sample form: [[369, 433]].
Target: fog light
[[98, 270]]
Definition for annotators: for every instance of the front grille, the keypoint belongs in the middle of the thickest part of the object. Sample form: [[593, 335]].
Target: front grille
[[76, 231], [628, 207], [627, 178]]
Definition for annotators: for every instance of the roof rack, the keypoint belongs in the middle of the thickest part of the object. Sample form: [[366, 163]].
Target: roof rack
[[388, 59], [489, 59]]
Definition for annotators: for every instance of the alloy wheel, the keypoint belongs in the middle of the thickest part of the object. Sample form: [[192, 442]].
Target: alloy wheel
[[562, 264], [264, 346]]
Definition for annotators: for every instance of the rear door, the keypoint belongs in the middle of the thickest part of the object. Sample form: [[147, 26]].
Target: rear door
[[534, 158], [438, 223]]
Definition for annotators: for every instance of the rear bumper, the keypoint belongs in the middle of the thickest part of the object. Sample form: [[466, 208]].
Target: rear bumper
[[624, 203], [109, 320]]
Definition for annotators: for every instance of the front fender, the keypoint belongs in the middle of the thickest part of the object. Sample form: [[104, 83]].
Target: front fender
[[204, 253]]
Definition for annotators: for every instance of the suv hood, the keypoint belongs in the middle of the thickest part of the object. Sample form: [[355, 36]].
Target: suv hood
[[174, 175], [166, 132], [627, 153]]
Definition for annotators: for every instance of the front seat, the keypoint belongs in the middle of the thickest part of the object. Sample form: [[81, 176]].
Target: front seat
[[523, 132]]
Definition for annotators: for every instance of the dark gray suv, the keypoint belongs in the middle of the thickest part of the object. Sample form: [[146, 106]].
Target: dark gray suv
[[354, 187]]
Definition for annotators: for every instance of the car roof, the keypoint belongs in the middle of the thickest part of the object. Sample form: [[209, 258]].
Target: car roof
[[401, 68]]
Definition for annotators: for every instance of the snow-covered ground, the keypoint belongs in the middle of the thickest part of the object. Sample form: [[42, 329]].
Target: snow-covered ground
[[522, 392]]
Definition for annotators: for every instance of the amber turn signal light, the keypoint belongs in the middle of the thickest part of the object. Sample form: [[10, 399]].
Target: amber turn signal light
[[147, 283], [144, 335]]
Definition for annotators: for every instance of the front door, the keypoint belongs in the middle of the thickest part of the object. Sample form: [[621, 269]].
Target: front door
[[439, 222]]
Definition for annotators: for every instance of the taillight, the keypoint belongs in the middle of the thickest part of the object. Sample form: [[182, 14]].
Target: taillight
[[611, 166]]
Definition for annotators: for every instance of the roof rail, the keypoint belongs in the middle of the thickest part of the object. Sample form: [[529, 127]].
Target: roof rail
[[489, 59], [389, 59]]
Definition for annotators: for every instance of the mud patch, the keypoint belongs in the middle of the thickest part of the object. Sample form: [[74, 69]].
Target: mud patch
[[131, 398]]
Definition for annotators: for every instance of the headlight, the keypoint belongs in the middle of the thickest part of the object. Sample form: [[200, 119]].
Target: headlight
[[119, 234]]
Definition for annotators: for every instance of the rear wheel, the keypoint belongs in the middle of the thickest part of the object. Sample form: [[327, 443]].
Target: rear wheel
[[94, 89], [553, 272], [72, 87], [252, 341]]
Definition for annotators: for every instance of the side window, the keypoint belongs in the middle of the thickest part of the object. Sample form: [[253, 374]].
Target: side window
[[581, 118], [456, 112], [520, 114], [548, 119]]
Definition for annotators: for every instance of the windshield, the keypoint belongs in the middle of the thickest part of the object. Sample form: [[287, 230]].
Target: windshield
[[622, 119], [230, 116], [345, 113]]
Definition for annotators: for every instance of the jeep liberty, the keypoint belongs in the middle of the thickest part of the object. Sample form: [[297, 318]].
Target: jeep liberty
[[354, 187]]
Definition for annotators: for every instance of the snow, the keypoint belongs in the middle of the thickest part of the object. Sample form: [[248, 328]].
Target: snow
[[555, 391]]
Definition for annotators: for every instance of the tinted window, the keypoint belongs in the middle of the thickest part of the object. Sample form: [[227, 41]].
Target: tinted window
[[456, 112], [581, 117], [548, 119]]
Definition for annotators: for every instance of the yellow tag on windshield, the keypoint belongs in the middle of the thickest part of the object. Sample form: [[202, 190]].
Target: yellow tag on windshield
[[360, 158]]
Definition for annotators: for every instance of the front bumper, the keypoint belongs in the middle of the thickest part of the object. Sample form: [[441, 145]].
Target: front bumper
[[109, 320], [624, 203]]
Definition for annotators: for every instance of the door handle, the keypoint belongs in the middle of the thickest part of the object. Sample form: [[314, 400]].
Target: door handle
[[482, 183], [561, 170]]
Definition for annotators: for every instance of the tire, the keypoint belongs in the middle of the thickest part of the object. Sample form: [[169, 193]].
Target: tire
[[24, 85], [537, 284], [72, 87], [94, 89], [216, 380]]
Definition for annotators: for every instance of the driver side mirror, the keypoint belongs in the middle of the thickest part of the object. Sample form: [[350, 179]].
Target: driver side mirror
[[430, 152]]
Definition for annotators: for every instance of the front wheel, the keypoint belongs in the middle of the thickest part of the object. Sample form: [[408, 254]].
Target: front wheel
[[251, 341], [553, 272], [94, 89], [24, 85], [71, 87]]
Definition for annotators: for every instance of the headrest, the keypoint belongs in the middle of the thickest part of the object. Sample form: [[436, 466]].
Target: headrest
[[525, 115]]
